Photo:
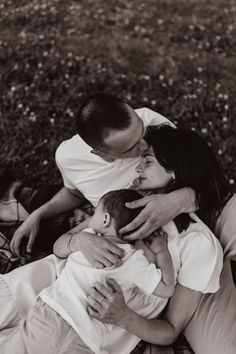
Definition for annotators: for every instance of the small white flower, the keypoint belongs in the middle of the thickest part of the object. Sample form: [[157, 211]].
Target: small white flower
[[204, 130]]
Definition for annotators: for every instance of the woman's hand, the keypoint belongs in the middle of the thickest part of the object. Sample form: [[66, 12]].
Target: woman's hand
[[99, 251], [106, 303], [158, 210], [28, 230]]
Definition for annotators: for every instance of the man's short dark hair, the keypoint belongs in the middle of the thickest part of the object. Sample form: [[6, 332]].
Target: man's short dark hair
[[114, 204], [100, 114]]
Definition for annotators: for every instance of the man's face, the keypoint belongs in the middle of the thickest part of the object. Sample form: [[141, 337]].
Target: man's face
[[128, 142]]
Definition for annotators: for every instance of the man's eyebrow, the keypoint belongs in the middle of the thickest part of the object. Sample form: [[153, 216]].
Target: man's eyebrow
[[143, 129]]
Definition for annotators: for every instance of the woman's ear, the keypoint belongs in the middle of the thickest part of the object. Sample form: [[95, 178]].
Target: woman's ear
[[106, 220]]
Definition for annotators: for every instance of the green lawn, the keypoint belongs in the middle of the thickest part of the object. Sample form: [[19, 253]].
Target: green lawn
[[174, 56]]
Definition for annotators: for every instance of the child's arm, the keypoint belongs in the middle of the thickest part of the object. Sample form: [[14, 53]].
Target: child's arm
[[166, 286], [148, 253]]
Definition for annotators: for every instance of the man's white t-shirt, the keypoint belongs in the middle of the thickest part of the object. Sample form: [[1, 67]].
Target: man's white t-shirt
[[198, 260], [89, 173]]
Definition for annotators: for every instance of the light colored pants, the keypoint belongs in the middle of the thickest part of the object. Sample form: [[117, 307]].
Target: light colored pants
[[43, 331]]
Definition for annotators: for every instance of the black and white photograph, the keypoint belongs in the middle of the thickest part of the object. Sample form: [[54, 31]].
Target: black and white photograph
[[118, 176]]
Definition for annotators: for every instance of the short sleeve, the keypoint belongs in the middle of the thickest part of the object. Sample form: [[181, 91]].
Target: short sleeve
[[201, 262], [58, 157], [145, 275]]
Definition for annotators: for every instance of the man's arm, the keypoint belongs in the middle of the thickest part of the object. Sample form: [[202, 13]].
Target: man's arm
[[99, 251], [63, 201], [158, 210]]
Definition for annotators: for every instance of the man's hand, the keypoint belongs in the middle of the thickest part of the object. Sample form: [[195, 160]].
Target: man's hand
[[158, 210], [99, 251], [106, 303], [28, 230]]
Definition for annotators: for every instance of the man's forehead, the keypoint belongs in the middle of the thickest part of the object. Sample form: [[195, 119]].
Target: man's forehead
[[127, 138]]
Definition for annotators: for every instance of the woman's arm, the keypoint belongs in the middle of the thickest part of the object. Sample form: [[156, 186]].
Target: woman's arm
[[107, 304]]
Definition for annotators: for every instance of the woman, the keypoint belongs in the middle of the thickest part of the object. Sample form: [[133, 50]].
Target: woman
[[181, 158]]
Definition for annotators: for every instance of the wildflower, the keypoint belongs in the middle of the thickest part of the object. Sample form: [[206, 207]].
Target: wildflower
[[32, 118]]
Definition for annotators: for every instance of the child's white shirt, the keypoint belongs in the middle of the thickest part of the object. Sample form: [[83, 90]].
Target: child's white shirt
[[68, 296]]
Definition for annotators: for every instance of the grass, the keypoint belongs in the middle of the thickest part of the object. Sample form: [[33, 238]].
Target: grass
[[174, 56]]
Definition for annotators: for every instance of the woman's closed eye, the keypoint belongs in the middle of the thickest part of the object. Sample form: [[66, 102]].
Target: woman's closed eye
[[147, 159]]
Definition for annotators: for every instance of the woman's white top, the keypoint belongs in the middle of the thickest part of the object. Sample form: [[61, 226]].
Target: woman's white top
[[198, 260]]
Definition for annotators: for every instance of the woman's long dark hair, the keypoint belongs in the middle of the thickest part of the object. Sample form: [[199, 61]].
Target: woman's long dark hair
[[194, 164]]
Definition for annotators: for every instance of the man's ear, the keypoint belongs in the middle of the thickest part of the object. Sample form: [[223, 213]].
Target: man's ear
[[106, 220]]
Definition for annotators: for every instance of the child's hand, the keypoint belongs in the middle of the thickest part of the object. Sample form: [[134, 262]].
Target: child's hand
[[157, 241]]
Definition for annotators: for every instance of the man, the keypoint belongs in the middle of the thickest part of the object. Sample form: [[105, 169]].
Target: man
[[102, 157]]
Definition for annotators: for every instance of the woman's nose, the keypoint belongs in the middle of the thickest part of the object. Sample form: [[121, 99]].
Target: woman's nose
[[139, 168]]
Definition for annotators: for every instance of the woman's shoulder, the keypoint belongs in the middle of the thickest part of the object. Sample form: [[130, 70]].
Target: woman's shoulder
[[198, 236]]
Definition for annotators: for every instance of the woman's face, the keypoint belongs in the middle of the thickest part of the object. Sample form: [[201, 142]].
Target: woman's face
[[151, 174]]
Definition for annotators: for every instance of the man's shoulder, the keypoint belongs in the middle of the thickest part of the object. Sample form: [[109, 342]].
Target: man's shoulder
[[73, 149]]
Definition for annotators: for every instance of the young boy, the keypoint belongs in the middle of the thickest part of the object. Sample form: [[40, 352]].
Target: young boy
[[59, 321]]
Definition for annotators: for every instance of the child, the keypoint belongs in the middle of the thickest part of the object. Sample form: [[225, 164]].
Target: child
[[59, 321]]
